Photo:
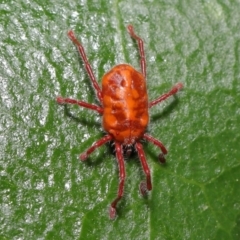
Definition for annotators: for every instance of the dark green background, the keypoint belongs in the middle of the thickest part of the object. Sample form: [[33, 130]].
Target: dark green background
[[46, 193]]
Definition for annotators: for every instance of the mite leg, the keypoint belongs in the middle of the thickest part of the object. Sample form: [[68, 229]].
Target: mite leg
[[62, 100], [120, 159], [158, 144], [88, 67], [140, 47], [173, 91], [97, 144], [144, 186]]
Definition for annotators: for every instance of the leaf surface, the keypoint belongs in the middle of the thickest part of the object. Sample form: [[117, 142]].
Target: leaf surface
[[47, 193]]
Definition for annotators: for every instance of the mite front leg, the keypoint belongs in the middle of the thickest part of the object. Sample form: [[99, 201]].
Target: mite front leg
[[120, 159], [88, 67], [140, 48]]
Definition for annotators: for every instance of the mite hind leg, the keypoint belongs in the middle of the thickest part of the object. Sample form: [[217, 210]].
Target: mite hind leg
[[122, 175]]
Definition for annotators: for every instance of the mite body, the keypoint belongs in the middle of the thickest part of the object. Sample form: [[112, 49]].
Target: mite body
[[125, 104], [124, 108]]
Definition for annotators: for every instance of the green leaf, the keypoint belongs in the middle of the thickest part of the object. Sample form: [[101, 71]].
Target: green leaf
[[46, 193]]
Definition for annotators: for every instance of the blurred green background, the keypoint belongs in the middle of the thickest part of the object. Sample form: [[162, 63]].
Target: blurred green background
[[46, 193]]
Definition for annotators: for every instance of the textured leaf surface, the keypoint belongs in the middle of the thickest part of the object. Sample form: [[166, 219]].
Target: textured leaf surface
[[46, 193]]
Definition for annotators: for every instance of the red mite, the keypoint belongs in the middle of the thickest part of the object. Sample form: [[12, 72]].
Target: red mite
[[124, 108]]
